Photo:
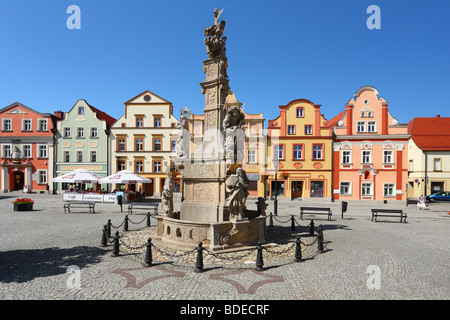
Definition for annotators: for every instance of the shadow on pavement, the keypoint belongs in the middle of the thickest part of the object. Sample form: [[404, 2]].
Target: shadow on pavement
[[26, 265]]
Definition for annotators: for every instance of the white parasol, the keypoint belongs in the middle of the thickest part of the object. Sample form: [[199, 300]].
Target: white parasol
[[125, 176], [78, 176]]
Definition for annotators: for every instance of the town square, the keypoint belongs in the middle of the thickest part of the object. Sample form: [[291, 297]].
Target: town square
[[184, 174]]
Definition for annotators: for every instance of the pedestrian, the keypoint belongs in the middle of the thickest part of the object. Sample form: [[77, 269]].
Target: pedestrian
[[422, 202]]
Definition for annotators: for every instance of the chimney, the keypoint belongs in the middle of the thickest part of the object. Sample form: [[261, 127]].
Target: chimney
[[59, 114], [438, 116]]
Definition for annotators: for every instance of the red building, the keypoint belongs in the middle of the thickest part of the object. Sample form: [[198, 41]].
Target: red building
[[26, 149]]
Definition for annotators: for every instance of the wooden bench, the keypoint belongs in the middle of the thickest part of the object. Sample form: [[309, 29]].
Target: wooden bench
[[145, 205], [314, 210], [388, 213], [79, 204]]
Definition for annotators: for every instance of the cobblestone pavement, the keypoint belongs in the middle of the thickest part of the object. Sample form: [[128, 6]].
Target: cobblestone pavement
[[44, 252]]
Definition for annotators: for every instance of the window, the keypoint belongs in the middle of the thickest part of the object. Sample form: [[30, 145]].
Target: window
[[372, 126], [308, 129], [157, 122], [291, 129], [66, 156], [367, 157], [26, 124], [345, 188], [42, 176], [298, 152], [139, 121], [300, 113], [6, 151], [346, 157], [411, 165], [251, 156], [139, 144], [121, 145], [67, 132], [94, 132], [42, 151], [389, 190], [388, 156], [42, 125], [174, 145], [361, 126], [6, 125], [157, 144], [317, 151], [26, 150], [139, 166], [80, 110], [437, 164], [279, 152], [93, 155], [79, 156], [80, 132], [120, 165], [366, 189], [156, 166]]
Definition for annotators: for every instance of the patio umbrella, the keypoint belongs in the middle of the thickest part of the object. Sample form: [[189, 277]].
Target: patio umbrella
[[78, 176], [125, 176]]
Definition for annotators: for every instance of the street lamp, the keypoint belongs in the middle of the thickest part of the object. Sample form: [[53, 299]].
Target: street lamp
[[275, 162]]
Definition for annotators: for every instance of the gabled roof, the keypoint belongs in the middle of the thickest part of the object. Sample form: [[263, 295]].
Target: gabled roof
[[103, 116], [11, 106], [430, 134], [151, 94]]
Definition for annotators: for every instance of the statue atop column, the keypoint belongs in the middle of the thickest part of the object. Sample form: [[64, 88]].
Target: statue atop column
[[215, 41]]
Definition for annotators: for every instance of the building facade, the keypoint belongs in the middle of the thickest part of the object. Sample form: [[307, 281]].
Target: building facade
[[143, 140], [82, 141], [370, 150], [27, 149], [429, 156], [302, 143]]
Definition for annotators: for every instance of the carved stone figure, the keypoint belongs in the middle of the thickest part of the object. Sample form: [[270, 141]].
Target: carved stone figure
[[167, 194], [236, 186], [215, 41], [183, 135], [234, 134]]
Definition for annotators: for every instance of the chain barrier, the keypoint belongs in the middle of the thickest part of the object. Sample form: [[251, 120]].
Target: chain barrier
[[280, 252], [177, 255]]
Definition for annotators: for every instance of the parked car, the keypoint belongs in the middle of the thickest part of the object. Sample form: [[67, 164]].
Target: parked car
[[439, 196]]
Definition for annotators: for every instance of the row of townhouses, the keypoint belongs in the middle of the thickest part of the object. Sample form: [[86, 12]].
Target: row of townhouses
[[363, 153]]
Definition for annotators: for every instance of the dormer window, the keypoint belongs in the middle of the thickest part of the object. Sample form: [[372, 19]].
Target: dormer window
[[80, 110]]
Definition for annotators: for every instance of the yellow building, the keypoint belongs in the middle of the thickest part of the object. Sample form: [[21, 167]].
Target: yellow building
[[300, 139]]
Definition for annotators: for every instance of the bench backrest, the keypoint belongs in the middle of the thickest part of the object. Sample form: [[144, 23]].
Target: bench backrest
[[387, 210], [314, 209]]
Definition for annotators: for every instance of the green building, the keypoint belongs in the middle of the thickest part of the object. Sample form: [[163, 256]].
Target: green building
[[82, 142]]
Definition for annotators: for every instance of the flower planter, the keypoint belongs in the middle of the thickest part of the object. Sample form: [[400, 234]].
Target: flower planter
[[23, 207]]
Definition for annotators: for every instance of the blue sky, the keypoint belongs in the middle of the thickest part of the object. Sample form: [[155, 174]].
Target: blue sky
[[277, 51]]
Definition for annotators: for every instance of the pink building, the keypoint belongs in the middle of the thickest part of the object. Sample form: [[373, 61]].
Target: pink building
[[27, 149], [370, 159]]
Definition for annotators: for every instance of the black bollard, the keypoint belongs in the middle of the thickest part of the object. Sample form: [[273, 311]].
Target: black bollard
[[271, 220], [115, 251], [292, 223], [259, 258], [199, 262], [148, 219], [104, 236], [298, 250], [148, 254], [108, 230], [125, 223], [311, 228], [320, 239]]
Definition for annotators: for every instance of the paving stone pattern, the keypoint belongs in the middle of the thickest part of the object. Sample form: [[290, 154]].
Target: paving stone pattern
[[37, 248]]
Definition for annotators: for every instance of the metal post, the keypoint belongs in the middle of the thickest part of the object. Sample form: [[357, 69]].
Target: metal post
[[148, 219], [109, 228], [115, 251], [275, 202], [311, 228], [199, 262], [259, 258], [104, 236], [148, 254], [320, 239], [292, 223], [125, 223], [271, 220], [298, 250]]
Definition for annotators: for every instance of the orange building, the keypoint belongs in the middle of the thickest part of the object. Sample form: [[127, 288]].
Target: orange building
[[300, 139]]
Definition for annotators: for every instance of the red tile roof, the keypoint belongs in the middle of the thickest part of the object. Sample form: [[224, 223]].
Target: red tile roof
[[430, 134], [103, 116]]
